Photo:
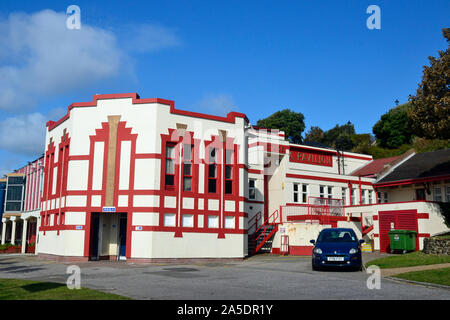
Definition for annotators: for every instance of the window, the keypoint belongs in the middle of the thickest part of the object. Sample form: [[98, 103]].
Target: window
[[353, 200], [379, 197], [295, 192], [322, 191], [252, 189], [330, 192], [447, 194], [229, 171], [187, 168], [170, 165], [229, 222], [169, 220], [212, 171], [420, 194], [437, 194], [304, 193], [344, 196], [370, 196], [213, 221], [188, 220], [363, 196], [386, 197]]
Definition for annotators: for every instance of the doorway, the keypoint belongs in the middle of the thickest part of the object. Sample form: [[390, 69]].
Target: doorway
[[108, 236]]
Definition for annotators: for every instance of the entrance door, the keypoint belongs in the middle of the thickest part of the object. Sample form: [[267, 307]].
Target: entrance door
[[400, 220], [95, 230], [122, 236]]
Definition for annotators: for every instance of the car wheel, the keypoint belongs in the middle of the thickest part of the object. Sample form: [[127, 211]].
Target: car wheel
[[314, 268]]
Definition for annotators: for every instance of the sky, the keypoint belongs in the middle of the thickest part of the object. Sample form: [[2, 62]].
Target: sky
[[254, 57]]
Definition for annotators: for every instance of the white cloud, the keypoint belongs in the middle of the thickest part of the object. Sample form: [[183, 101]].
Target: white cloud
[[149, 37], [24, 134], [217, 104], [40, 57]]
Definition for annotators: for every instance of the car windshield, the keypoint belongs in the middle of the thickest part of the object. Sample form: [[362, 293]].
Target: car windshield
[[336, 236]]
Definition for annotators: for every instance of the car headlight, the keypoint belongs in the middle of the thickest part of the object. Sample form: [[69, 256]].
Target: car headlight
[[353, 251], [318, 250]]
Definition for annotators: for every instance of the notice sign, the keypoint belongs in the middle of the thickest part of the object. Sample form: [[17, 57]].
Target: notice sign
[[308, 157], [109, 209]]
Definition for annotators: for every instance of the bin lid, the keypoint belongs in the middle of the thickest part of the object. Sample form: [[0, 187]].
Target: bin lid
[[401, 231]]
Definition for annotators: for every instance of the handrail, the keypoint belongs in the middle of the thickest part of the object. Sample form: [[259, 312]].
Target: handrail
[[266, 224], [256, 217]]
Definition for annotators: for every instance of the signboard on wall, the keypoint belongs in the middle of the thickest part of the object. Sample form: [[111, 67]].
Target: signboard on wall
[[311, 157], [109, 209]]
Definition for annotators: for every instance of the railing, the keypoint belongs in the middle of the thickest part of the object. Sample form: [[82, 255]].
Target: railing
[[253, 222], [262, 229]]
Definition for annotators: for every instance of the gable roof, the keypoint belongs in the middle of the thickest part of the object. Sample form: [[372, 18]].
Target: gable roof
[[374, 167], [433, 165]]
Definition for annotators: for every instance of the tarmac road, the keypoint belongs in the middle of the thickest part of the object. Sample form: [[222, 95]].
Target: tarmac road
[[259, 277]]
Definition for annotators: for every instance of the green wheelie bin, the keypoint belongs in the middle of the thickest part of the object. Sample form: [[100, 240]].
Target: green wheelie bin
[[402, 240]]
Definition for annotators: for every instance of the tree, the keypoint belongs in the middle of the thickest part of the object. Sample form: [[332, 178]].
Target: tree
[[292, 123], [340, 137], [430, 115], [394, 128], [315, 134]]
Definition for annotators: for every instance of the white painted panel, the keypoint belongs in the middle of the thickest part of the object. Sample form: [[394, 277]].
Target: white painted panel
[[75, 218], [230, 205], [200, 220], [97, 174], [145, 201], [55, 172], [170, 202], [77, 175], [122, 201], [213, 204], [188, 203], [145, 218], [201, 204], [76, 201], [144, 174], [124, 175], [96, 201]]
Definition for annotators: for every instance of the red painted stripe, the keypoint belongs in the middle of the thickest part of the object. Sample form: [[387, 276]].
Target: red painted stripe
[[301, 176]]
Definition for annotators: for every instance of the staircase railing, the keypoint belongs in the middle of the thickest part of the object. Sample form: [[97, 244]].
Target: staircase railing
[[253, 223], [261, 231]]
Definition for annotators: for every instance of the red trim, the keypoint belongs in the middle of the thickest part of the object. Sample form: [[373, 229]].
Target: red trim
[[296, 250], [231, 116]]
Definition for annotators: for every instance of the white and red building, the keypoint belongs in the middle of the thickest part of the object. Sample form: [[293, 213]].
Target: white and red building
[[138, 179], [22, 205]]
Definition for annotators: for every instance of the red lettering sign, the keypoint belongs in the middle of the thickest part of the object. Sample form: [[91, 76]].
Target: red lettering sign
[[315, 158]]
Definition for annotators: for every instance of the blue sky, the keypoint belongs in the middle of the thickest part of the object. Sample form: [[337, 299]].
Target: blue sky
[[255, 57]]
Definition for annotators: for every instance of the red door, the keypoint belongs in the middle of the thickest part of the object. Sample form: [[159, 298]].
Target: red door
[[396, 219]]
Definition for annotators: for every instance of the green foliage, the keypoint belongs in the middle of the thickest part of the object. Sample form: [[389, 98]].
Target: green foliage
[[394, 128], [292, 123], [430, 115], [315, 134], [340, 137], [445, 211]]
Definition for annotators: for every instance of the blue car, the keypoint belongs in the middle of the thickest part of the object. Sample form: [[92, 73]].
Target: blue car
[[337, 247]]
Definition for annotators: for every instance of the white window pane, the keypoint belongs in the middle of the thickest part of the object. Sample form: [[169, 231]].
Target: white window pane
[[169, 220], [188, 220], [229, 222], [213, 221]]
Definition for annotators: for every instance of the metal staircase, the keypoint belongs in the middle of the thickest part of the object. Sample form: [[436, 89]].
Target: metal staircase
[[261, 240]]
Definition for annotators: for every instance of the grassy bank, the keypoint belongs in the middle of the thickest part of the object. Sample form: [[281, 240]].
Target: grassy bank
[[15, 289], [437, 276], [409, 260]]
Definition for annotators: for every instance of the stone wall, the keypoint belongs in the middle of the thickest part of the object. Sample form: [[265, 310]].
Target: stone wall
[[436, 246]]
